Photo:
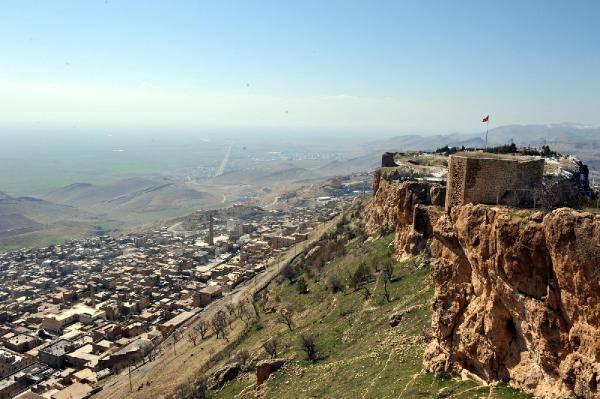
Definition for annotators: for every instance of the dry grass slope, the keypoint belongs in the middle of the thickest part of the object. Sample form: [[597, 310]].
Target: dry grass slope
[[360, 355]]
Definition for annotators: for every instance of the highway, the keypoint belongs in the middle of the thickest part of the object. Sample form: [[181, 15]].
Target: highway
[[221, 168]]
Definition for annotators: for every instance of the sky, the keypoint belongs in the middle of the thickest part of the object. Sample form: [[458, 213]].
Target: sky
[[394, 66]]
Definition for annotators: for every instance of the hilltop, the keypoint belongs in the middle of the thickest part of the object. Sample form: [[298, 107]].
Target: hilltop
[[406, 300]]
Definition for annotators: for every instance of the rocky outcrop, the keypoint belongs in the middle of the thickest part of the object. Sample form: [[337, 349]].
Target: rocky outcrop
[[224, 374], [394, 208], [517, 292], [518, 298], [264, 369], [396, 317]]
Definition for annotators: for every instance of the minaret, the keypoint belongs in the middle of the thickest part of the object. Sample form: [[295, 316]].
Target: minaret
[[93, 296], [211, 236]]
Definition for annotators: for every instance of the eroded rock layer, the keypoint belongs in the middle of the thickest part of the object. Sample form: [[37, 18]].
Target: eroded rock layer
[[394, 208], [518, 299]]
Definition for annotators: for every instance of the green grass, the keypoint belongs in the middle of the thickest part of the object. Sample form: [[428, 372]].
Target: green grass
[[520, 214], [43, 238], [45, 164], [361, 356]]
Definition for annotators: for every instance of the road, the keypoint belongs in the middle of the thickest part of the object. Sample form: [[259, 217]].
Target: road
[[174, 228], [181, 362], [221, 168]]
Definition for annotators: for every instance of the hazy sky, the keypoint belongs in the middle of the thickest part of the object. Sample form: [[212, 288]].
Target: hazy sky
[[298, 64]]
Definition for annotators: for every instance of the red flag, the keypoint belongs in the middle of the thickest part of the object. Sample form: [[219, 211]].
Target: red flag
[[486, 119]]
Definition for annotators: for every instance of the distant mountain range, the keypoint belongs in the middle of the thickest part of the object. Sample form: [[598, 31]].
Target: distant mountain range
[[568, 138], [534, 135]]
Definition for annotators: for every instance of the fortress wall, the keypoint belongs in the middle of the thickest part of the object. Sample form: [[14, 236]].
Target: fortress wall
[[493, 181], [455, 188]]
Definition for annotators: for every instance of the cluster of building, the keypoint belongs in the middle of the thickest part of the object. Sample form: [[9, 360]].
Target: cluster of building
[[72, 314]]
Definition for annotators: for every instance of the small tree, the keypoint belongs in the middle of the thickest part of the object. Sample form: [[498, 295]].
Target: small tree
[[242, 357], [360, 278], [244, 313], [286, 316], [230, 308], [219, 324], [177, 335], [308, 343], [193, 337], [270, 346], [151, 351], [302, 286], [202, 328], [387, 272], [288, 272]]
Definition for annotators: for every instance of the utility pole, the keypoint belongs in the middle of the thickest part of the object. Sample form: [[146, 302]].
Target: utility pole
[[130, 385], [486, 120]]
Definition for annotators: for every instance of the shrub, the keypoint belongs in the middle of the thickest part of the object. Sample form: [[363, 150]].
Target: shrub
[[270, 346], [361, 276], [335, 284], [308, 343], [193, 390], [302, 286], [242, 357]]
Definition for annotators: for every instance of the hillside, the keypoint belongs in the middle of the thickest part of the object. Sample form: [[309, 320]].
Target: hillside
[[39, 222], [140, 194], [516, 290], [267, 174], [358, 353]]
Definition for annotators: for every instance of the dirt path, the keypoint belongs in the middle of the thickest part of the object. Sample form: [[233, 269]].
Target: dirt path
[[174, 228]]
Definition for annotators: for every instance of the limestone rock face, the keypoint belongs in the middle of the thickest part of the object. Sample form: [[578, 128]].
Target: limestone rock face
[[393, 208], [517, 293], [518, 299]]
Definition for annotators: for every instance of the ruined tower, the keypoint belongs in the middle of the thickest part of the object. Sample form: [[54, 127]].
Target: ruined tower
[[491, 179]]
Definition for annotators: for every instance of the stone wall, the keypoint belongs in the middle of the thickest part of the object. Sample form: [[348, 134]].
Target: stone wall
[[387, 159], [483, 180]]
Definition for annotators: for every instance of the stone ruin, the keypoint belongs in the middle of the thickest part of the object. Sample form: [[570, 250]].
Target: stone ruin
[[487, 179], [499, 179], [387, 159]]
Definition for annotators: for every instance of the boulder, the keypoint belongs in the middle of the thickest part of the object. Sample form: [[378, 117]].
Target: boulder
[[225, 373], [396, 318], [264, 369]]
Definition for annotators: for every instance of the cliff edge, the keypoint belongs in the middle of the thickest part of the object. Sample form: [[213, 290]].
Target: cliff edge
[[517, 292]]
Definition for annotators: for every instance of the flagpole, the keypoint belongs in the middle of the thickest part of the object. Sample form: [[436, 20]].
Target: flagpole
[[487, 129]]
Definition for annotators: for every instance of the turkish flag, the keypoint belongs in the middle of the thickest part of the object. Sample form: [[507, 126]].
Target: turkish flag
[[486, 119]]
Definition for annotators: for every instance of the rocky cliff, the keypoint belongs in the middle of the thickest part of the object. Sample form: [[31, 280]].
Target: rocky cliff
[[517, 293], [397, 204]]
